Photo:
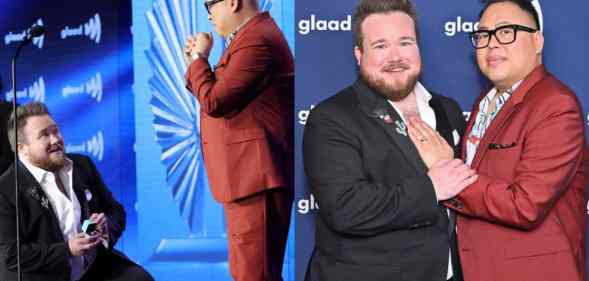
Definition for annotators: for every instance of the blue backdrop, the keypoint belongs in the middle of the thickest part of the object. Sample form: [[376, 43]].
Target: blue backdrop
[[111, 73], [325, 64]]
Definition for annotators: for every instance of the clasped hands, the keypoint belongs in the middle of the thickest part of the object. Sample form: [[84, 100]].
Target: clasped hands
[[82, 242], [449, 175], [199, 44]]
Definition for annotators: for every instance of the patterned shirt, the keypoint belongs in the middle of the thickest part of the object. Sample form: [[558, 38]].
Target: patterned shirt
[[484, 118]]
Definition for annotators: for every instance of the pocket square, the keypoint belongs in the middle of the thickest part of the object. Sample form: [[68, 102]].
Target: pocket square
[[501, 145], [88, 195], [455, 137]]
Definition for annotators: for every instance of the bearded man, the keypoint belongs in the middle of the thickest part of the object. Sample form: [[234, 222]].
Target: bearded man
[[381, 216], [58, 193]]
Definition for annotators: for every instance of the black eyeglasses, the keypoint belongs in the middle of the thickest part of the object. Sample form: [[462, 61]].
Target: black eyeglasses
[[505, 35], [209, 4]]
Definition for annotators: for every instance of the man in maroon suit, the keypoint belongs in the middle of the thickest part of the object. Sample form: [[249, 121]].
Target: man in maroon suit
[[524, 218], [246, 118]]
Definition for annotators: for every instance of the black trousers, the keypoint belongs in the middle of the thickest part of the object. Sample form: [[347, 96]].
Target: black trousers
[[113, 267]]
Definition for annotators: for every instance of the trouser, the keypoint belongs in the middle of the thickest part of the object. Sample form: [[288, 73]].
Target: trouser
[[257, 229]]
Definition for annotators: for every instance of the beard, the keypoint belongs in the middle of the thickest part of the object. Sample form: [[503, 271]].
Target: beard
[[389, 91], [51, 162]]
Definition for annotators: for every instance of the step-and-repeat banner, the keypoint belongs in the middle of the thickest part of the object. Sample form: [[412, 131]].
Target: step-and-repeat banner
[[111, 73], [325, 64], [81, 68]]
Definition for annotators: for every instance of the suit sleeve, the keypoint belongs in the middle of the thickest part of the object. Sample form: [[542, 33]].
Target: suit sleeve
[[552, 152], [35, 257], [349, 201], [236, 81], [113, 210]]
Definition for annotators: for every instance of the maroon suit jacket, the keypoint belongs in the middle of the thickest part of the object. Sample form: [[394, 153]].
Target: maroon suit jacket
[[246, 112], [524, 218]]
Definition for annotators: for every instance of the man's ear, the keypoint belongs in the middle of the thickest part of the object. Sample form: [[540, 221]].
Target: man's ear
[[358, 54], [235, 5], [22, 148], [539, 42]]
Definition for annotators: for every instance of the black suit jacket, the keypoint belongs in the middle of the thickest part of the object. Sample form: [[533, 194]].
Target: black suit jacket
[[378, 215], [44, 253], [5, 151]]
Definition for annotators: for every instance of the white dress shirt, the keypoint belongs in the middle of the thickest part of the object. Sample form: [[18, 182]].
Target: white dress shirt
[[67, 210]]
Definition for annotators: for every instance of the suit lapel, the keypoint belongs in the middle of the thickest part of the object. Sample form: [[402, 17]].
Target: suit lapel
[[443, 125], [80, 189], [31, 188], [384, 114], [445, 128], [505, 113]]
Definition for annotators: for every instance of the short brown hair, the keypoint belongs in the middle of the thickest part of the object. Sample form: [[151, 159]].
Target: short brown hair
[[366, 8], [23, 113]]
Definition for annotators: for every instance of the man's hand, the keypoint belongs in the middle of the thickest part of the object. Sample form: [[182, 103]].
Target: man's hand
[[79, 244], [431, 146], [450, 178], [201, 44], [101, 226]]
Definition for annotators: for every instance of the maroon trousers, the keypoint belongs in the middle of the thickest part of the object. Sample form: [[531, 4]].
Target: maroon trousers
[[257, 229]]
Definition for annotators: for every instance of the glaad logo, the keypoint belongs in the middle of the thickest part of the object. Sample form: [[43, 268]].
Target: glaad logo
[[304, 114], [466, 115], [306, 205], [587, 119], [92, 29], [93, 88], [94, 146], [35, 92], [453, 27], [314, 24], [21, 36]]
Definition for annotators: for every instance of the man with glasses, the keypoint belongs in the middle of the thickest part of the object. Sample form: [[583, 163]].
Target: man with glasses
[[524, 218], [246, 122]]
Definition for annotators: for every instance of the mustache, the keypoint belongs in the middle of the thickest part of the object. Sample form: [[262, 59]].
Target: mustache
[[56, 147], [392, 66]]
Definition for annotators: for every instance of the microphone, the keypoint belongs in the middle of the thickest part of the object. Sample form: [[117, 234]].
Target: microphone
[[34, 31]]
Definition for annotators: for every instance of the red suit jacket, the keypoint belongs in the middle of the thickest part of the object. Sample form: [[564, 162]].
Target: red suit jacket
[[525, 217], [246, 112]]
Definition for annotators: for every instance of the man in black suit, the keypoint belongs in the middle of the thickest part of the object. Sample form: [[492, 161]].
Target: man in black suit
[[380, 215], [6, 156], [58, 192]]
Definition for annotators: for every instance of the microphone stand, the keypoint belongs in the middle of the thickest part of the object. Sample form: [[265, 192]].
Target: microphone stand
[[16, 159]]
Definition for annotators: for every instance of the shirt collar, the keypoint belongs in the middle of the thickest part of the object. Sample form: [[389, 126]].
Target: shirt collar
[[493, 91], [39, 174], [422, 96], [233, 33]]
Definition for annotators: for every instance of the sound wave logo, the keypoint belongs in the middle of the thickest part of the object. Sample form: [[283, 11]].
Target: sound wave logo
[[21, 36], [93, 88], [35, 92], [93, 28], [38, 41], [93, 147]]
